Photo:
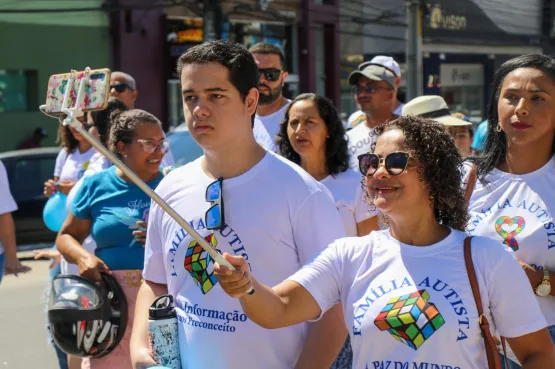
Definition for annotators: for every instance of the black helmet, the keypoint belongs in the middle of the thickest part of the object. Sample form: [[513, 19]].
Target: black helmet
[[87, 319]]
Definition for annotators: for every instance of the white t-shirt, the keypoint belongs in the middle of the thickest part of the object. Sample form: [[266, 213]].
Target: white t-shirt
[[412, 307], [278, 218], [354, 118], [518, 211], [266, 128], [60, 160], [346, 189], [97, 163], [7, 202], [75, 165], [362, 139]]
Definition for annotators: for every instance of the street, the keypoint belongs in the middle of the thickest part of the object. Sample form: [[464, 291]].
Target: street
[[23, 342]]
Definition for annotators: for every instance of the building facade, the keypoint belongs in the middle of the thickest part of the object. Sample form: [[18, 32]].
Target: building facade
[[36, 45], [463, 43]]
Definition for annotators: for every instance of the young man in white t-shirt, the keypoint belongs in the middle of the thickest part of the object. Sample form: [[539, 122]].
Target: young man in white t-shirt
[[275, 215], [271, 102], [9, 263]]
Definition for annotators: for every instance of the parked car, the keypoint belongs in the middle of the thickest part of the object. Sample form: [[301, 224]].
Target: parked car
[[27, 171], [183, 147]]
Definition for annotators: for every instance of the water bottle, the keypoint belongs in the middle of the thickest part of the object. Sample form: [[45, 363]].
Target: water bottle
[[162, 330]]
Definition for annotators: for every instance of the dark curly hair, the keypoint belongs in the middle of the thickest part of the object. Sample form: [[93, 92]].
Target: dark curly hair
[[440, 166], [337, 154], [495, 148], [124, 125], [101, 118]]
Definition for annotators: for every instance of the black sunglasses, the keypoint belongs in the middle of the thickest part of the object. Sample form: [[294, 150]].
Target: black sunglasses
[[271, 74], [395, 163], [119, 87], [368, 89], [214, 217]]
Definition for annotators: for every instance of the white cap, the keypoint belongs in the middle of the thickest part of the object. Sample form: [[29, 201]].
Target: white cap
[[388, 62]]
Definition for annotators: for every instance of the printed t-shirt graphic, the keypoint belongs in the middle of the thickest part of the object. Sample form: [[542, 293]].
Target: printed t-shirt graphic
[[410, 318], [114, 206], [197, 261], [517, 210], [412, 307], [296, 220]]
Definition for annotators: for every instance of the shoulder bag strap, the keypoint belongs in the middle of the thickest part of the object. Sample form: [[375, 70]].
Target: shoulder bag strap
[[491, 347], [470, 184]]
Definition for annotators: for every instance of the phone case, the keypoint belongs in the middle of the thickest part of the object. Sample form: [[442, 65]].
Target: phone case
[[96, 93]]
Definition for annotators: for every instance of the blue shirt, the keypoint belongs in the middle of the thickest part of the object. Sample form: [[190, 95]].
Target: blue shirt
[[480, 136], [114, 206]]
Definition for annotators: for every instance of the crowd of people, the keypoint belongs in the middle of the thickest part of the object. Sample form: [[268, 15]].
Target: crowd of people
[[398, 242]]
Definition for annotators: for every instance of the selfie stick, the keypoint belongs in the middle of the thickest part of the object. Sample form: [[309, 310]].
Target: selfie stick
[[71, 120]]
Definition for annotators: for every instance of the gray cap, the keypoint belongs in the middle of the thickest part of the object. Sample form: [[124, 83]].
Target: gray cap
[[373, 71]]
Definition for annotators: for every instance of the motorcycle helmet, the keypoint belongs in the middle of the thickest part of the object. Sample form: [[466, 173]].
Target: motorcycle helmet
[[87, 319]]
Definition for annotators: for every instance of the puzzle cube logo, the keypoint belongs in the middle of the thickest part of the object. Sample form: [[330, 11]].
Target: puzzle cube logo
[[197, 262], [410, 318]]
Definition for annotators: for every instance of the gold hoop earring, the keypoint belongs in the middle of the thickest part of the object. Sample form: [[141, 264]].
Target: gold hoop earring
[[499, 129]]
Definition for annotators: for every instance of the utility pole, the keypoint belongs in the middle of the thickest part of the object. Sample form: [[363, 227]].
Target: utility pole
[[212, 26], [414, 50]]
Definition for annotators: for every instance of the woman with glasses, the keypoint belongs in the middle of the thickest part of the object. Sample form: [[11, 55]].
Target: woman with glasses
[[98, 124], [405, 291], [513, 200], [108, 206], [312, 136]]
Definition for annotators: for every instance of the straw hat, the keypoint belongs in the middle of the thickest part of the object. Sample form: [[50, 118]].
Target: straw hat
[[432, 107]]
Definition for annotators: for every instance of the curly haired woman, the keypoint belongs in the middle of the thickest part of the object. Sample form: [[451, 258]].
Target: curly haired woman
[[405, 291]]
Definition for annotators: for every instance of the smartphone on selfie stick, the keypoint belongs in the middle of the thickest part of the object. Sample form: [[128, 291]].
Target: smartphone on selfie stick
[[76, 100]]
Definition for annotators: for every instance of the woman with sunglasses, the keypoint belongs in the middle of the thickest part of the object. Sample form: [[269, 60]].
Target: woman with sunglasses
[[405, 291], [513, 200], [312, 136], [107, 206]]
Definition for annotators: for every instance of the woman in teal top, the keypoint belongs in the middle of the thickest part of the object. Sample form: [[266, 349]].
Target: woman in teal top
[[108, 206]]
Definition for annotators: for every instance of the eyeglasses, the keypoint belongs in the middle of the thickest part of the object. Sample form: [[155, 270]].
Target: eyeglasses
[[149, 146], [368, 89], [214, 217], [119, 87], [271, 74], [395, 163]]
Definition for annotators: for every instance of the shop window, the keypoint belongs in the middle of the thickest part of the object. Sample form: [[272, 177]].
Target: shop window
[[462, 87], [18, 90]]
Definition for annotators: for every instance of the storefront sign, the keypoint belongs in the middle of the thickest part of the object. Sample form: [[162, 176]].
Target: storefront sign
[[441, 19], [481, 22], [452, 75]]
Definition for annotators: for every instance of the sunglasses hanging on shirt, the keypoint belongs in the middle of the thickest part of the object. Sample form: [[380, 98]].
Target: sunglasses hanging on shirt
[[214, 217]]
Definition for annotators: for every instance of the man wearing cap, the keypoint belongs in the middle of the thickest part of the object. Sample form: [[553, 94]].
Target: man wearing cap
[[123, 86], [387, 61], [374, 87]]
